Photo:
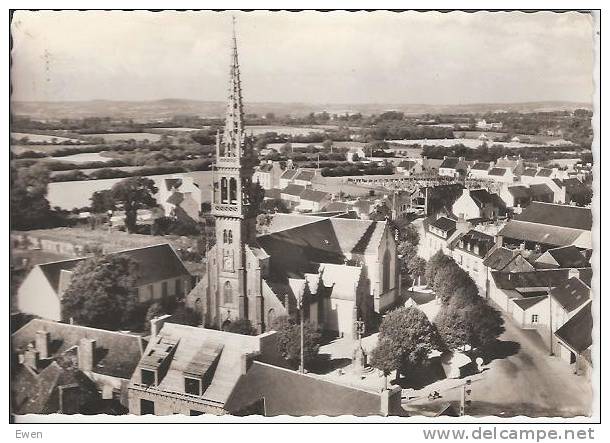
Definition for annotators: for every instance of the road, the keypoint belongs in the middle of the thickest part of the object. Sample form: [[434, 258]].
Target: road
[[528, 382]]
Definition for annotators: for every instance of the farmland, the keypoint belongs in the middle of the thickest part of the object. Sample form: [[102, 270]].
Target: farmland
[[42, 138], [287, 130], [125, 136]]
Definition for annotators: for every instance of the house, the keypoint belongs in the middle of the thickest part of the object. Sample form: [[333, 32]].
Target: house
[[514, 164], [469, 252], [563, 257], [543, 226], [517, 196], [63, 368], [192, 371], [409, 167], [292, 193], [478, 204], [313, 201], [480, 170], [575, 339], [501, 175], [269, 390], [304, 177], [180, 196], [161, 274], [541, 192], [573, 190], [485, 126], [453, 167], [287, 177], [439, 233], [268, 175]]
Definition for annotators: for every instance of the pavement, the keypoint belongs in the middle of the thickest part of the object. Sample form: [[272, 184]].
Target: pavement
[[522, 379]]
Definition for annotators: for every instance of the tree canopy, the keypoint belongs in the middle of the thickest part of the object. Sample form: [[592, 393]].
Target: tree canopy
[[102, 293], [132, 194], [437, 262], [289, 340], [410, 334]]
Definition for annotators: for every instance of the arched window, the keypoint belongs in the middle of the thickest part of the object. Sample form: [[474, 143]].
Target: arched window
[[223, 190], [386, 271], [224, 236], [227, 292], [270, 318], [230, 236], [233, 190]]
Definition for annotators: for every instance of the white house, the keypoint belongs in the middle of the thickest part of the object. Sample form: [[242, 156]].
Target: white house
[[478, 203]]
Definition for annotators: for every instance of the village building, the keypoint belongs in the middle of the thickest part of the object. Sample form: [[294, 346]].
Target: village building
[[454, 167], [180, 197], [575, 340], [469, 252], [478, 204], [161, 275], [268, 175], [68, 369], [543, 226], [480, 170], [336, 270]]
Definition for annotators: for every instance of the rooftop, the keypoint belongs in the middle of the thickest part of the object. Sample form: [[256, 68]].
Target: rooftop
[[573, 294], [565, 216], [577, 331]]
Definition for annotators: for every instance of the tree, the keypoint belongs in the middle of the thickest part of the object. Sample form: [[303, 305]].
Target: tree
[[102, 201], [411, 335], [242, 326], [385, 358], [132, 194], [472, 323], [273, 206], [437, 262], [416, 267], [29, 207], [452, 279], [102, 293], [289, 340]]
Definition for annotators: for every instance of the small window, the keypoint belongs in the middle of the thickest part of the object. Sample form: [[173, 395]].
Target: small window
[[147, 407], [534, 318], [194, 413], [192, 386], [148, 377]]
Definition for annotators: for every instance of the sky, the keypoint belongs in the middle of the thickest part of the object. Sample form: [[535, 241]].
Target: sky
[[308, 57]]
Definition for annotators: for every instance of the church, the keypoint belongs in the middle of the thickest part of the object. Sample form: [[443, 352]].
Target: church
[[334, 268]]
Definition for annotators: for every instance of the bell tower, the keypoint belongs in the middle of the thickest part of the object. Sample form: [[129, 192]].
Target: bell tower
[[231, 204]]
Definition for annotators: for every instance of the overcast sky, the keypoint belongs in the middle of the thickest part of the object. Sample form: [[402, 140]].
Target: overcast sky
[[339, 57]]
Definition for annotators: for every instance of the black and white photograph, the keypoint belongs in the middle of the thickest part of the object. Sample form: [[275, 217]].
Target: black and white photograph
[[243, 215]]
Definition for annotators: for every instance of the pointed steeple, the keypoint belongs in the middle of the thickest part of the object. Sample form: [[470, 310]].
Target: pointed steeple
[[233, 136]]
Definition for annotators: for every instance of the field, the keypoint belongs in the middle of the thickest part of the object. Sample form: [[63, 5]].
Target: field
[[170, 130], [468, 142], [287, 130], [37, 138], [20, 149], [124, 136], [82, 158], [77, 194]]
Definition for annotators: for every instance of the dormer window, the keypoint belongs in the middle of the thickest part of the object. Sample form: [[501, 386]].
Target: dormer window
[[149, 377], [192, 386]]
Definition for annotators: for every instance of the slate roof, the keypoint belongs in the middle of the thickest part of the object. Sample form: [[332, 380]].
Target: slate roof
[[293, 189], [544, 172], [407, 164], [499, 258], [176, 198], [449, 163], [481, 166], [540, 189], [194, 347], [534, 279], [557, 215], [287, 392], [539, 233], [305, 175], [173, 183], [273, 193], [527, 302], [573, 294], [117, 356], [289, 174], [483, 197], [155, 263], [576, 332], [530, 172], [337, 206], [566, 257], [519, 191], [265, 167], [497, 171], [343, 279], [314, 196], [444, 224]]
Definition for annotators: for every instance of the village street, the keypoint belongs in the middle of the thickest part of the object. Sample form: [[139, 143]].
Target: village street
[[528, 382]]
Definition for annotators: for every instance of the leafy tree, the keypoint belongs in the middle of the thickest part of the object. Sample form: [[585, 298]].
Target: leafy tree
[[450, 280], [385, 358], [242, 326], [29, 207], [411, 335], [102, 293], [132, 194], [436, 263], [102, 201], [289, 340], [273, 206], [416, 267]]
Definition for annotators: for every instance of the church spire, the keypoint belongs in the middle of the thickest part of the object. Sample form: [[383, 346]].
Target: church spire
[[233, 137]]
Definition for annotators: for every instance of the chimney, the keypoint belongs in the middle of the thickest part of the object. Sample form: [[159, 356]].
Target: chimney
[[86, 354], [156, 324], [43, 342], [31, 358], [461, 225]]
